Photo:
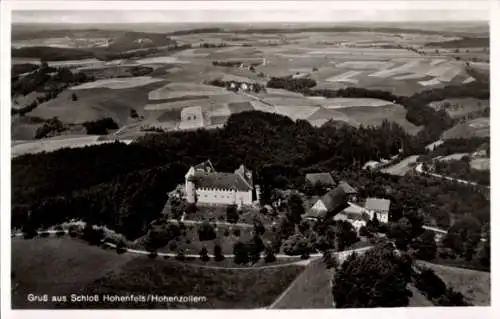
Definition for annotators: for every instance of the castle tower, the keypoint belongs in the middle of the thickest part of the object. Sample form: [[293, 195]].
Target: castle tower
[[190, 186]]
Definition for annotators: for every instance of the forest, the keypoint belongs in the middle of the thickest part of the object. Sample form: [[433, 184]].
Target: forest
[[279, 151]]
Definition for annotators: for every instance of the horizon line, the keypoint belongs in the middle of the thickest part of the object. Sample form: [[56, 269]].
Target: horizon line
[[269, 22]]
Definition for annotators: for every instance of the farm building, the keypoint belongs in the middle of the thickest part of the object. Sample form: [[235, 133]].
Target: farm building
[[380, 207], [350, 191], [191, 118], [324, 179], [206, 186], [330, 204], [371, 165], [353, 214]]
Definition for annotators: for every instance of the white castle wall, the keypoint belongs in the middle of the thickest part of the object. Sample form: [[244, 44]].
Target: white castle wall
[[222, 196]]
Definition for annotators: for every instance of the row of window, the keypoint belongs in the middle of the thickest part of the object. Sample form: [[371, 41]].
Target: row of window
[[222, 196]]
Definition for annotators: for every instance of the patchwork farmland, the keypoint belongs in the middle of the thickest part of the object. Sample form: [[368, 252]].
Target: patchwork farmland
[[335, 60]]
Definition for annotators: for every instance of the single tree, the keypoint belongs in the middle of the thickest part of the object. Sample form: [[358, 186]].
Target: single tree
[[218, 256], [204, 254], [269, 256], [240, 252], [425, 246], [206, 231], [232, 215], [295, 209]]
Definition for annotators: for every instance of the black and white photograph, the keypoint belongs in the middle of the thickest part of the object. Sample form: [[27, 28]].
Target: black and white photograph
[[301, 155]]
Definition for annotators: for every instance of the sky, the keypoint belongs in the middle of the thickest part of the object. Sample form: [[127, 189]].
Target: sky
[[245, 11]]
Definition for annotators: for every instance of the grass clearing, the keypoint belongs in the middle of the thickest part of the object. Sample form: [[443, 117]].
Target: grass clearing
[[405, 68], [117, 83], [160, 59], [345, 77], [223, 289], [418, 299], [238, 107], [365, 65], [370, 116], [479, 127], [338, 103], [481, 164], [296, 112], [186, 89], [220, 111], [57, 266], [97, 103], [323, 115], [51, 145], [432, 82], [473, 284], [311, 289]]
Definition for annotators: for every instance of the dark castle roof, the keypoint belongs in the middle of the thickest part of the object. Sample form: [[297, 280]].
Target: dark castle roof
[[229, 181]]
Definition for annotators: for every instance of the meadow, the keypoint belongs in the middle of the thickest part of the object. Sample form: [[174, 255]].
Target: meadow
[[57, 266], [473, 284]]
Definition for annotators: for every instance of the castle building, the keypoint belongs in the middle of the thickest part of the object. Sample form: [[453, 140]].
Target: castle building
[[204, 185]]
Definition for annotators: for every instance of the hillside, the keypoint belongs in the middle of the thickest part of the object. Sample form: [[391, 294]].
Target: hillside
[[474, 285]]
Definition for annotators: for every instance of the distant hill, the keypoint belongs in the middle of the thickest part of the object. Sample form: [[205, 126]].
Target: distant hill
[[118, 42]]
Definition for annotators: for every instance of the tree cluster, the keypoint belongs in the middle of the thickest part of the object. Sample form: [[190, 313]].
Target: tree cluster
[[100, 127], [51, 127], [377, 278], [290, 83], [435, 289]]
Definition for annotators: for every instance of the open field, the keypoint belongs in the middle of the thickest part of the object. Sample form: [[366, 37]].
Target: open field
[[117, 83], [370, 116], [50, 265], [340, 103], [418, 299], [178, 90], [311, 289], [57, 266], [53, 144], [474, 285], [96, 103], [67, 63], [482, 164], [479, 127], [224, 289]]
